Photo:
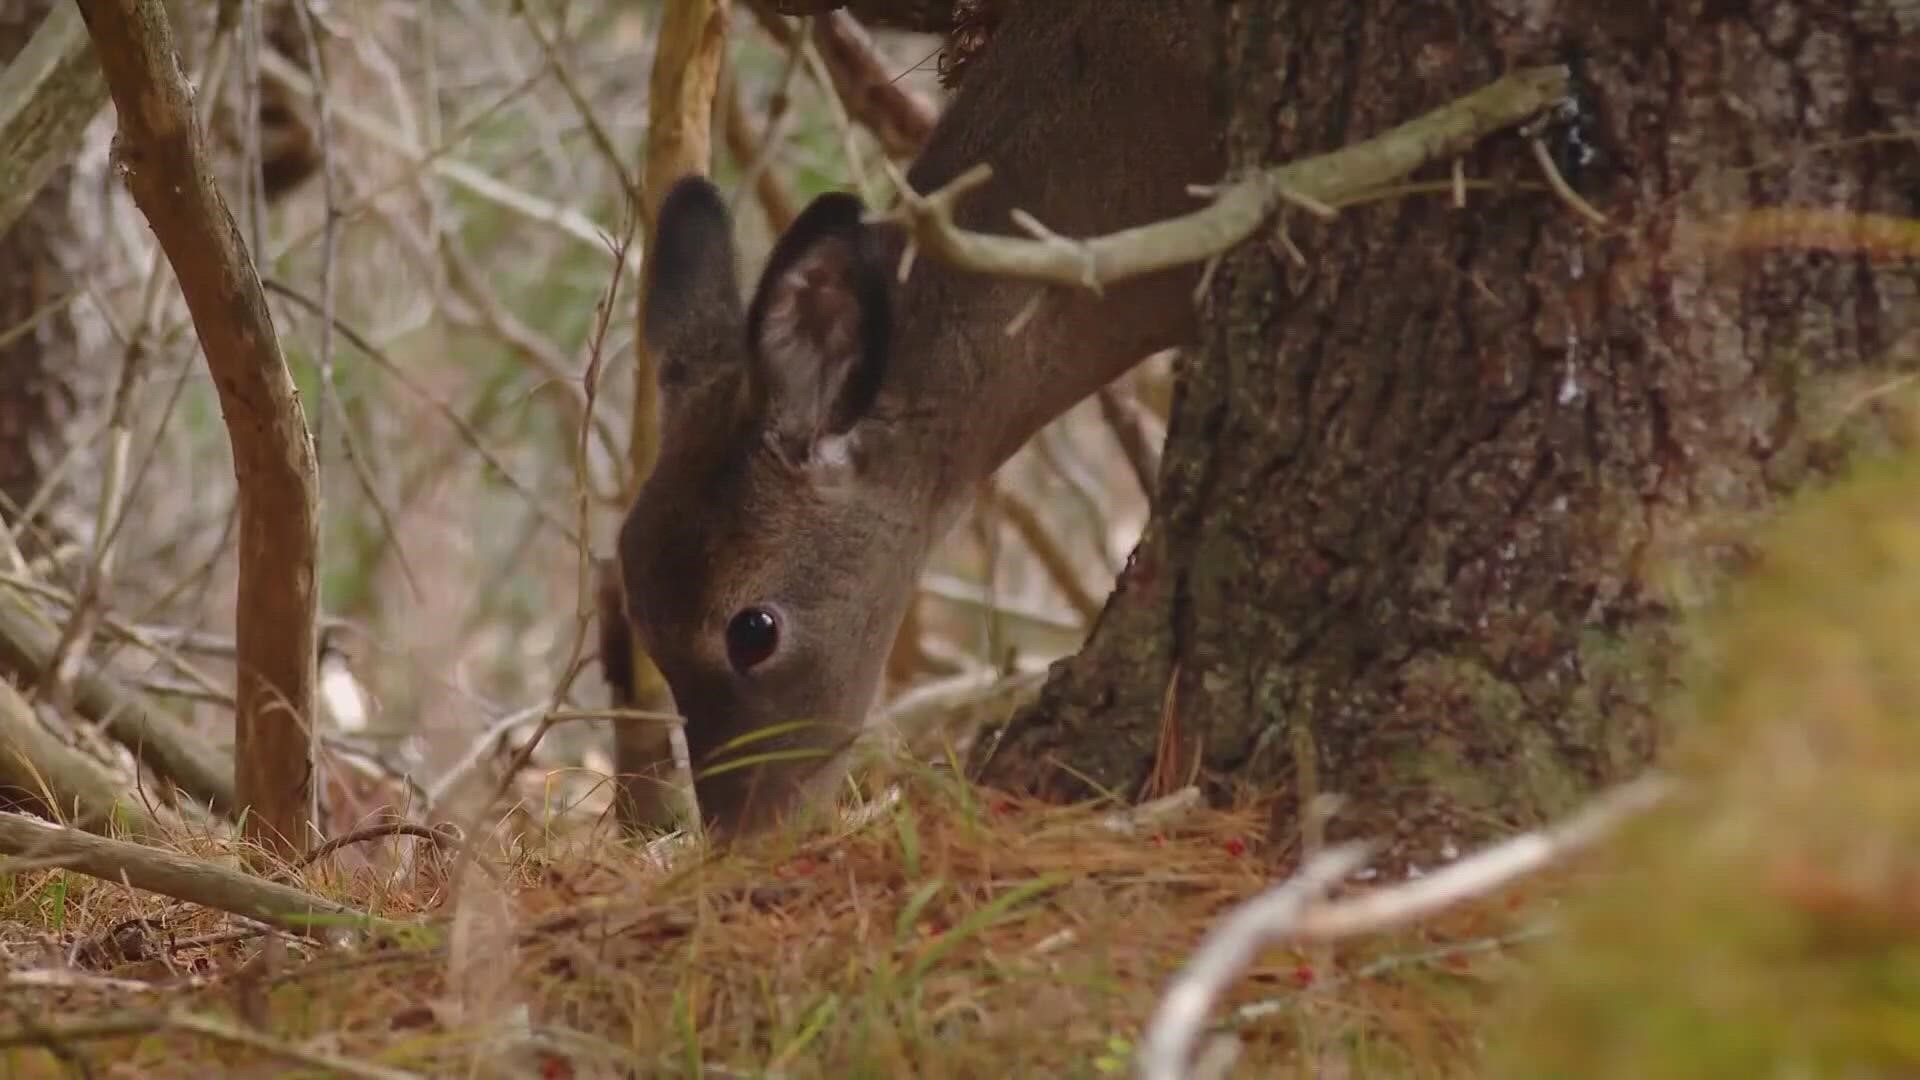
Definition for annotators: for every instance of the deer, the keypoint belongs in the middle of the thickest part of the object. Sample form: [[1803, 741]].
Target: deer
[[821, 435]]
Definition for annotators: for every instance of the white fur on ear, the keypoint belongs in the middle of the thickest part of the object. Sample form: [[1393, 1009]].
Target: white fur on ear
[[834, 466], [835, 451], [818, 326], [810, 327]]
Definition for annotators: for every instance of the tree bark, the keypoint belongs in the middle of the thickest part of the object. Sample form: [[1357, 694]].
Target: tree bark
[[1432, 501]]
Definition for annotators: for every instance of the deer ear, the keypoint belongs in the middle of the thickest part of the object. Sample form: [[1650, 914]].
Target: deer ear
[[692, 313], [818, 325]]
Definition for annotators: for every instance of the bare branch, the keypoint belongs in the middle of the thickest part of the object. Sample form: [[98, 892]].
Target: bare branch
[[1177, 1023], [1237, 210], [194, 880], [898, 118], [1287, 912], [437, 160], [398, 372], [1481, 873], [1560, 187], [437, 838], [162, 154], [602, 142], [933, 718]]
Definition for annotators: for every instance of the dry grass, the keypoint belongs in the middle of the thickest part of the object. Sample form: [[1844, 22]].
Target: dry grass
[[945, 937]]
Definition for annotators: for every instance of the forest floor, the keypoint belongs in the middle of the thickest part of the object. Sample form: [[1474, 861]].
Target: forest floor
[[942, 936]]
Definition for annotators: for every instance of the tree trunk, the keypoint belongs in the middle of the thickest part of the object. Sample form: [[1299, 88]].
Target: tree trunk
[[1419, 532]]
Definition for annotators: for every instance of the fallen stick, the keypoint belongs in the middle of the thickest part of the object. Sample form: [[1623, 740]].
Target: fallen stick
[[35, 843]]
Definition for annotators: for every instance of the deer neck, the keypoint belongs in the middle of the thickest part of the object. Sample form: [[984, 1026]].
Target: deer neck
[[1095, 117]]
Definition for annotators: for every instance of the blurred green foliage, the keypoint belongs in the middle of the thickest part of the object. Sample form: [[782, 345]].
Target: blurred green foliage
[[1767, 923]]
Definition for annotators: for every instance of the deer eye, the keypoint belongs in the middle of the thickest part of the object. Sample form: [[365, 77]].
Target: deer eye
[[752, 635]]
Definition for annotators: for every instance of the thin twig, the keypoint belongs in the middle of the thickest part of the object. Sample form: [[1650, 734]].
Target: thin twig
[[1482, 872], [449, 413], [584, 569], [842, 119], [372, 832], [1061, 455], [438, 160], [1288, 912], [602, 142], [1560, 187], [477, 752], [779, 110], [1227, 948], [752, 156]]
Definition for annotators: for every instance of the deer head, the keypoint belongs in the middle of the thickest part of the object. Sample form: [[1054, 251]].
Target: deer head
[[817, 439], [766, 561]]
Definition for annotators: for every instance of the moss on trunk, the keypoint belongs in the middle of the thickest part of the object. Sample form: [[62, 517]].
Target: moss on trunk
[[1765, 921]]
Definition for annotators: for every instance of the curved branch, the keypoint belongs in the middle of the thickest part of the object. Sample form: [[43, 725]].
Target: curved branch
[[1291, 911], [1237, 210], [161, 152]]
